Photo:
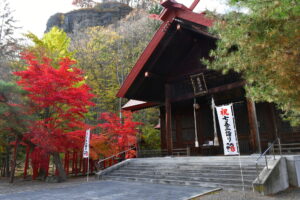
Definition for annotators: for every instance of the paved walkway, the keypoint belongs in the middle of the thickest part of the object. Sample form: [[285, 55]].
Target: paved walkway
[[108, 190]]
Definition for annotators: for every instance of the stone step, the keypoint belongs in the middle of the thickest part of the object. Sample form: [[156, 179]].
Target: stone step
[[231, 179], [198, 171], [193, 161], [170, 167], [233, 186], [180, 173], [197, 163], [221, 172]]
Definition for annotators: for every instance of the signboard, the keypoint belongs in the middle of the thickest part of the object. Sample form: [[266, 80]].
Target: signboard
[[199, 84], [86, 147], [228, 130]]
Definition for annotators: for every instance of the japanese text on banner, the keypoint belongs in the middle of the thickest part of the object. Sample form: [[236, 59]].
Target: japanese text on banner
[[86, 147], [228, 131]]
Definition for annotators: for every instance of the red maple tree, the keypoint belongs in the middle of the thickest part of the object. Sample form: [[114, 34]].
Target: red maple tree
[[59, 99], [116, 135]]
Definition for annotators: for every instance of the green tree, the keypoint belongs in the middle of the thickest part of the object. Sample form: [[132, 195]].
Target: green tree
[[107, 55], [13, 124], [9, 43], [96, 53], [263, 44], [54, 45], [150, 136]]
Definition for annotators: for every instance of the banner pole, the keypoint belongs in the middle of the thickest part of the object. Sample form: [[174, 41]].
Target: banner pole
[[238, 147], [213, 105], [88, 168], [195, 122], [86, 152]]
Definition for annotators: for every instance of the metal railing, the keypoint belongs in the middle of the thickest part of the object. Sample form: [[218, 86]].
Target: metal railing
[[163, 152], [289, 148], [264, 155], [112, 159]]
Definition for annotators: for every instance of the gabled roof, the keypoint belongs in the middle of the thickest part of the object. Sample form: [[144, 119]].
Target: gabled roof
[[133, 105], [173, 11]]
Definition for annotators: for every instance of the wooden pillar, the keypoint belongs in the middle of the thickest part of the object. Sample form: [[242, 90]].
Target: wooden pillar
[[26, 160], [163, 137], [273, 112], [47, 165], [254, 131], [76, 163], [168, 120], [80, 162], [67, 161]]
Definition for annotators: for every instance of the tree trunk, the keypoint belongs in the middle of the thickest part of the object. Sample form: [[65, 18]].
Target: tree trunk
[[61, 172], [14, 162], [6, 172]]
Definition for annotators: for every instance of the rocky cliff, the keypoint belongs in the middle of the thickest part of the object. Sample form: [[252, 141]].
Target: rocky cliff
[[101, 15]]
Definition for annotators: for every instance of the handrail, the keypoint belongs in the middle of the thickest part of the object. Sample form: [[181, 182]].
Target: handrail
[[114, 156], [264, 154], [164, 152]]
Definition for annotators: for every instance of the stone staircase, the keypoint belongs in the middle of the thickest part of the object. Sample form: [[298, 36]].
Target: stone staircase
[[217, 171]]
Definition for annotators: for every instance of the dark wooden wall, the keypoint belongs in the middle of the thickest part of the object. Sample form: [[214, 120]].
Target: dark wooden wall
[[183, 132]]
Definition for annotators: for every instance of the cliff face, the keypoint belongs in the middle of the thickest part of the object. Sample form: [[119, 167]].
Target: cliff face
[[101, 15]]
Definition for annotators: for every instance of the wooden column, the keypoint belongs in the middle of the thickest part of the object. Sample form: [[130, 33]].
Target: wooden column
[[168, 120], [254, 131], [26, 161], [273, 112]]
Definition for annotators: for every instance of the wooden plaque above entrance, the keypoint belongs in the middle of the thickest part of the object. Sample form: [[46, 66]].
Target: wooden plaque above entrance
[[199, 84]]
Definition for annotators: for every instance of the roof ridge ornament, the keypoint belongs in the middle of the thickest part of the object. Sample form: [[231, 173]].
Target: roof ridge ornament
[[194, 4]]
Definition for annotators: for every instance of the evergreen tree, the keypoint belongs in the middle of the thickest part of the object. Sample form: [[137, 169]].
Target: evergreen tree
[[263, 44], [9, 47], [13, 124]]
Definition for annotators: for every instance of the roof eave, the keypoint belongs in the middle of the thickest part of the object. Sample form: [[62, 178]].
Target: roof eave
[[172, 10]]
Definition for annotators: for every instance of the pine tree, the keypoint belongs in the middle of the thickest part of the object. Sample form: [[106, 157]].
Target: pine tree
[[263, 44]]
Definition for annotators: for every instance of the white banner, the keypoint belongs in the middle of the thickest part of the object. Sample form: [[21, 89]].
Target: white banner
[[228, 130], [86, 147]]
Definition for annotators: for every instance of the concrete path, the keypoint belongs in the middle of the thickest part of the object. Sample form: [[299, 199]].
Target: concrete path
[[109, 190]]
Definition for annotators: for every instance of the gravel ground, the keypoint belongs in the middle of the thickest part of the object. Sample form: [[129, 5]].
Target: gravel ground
[[291, 194], [104, 190], [21, 185]]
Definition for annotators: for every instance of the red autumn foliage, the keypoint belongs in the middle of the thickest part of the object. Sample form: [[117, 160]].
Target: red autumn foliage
[[59, 99], [116, 135]]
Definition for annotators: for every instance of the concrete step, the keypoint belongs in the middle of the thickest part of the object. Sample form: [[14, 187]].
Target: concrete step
[[191, 167], [207, 170], [121, 172], [233, 186], [221, 172], [229, 160], [248, 162], [229, 179]]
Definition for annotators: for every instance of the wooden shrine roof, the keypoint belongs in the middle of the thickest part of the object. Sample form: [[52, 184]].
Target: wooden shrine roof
[[174, 54]]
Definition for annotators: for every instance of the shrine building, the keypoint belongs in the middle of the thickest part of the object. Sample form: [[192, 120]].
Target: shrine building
[[170, 75]]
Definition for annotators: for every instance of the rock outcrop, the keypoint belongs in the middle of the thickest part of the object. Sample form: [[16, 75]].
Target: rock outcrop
[[101, 15]]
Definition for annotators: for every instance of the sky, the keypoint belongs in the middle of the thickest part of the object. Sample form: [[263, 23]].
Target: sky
[[32, 15]]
